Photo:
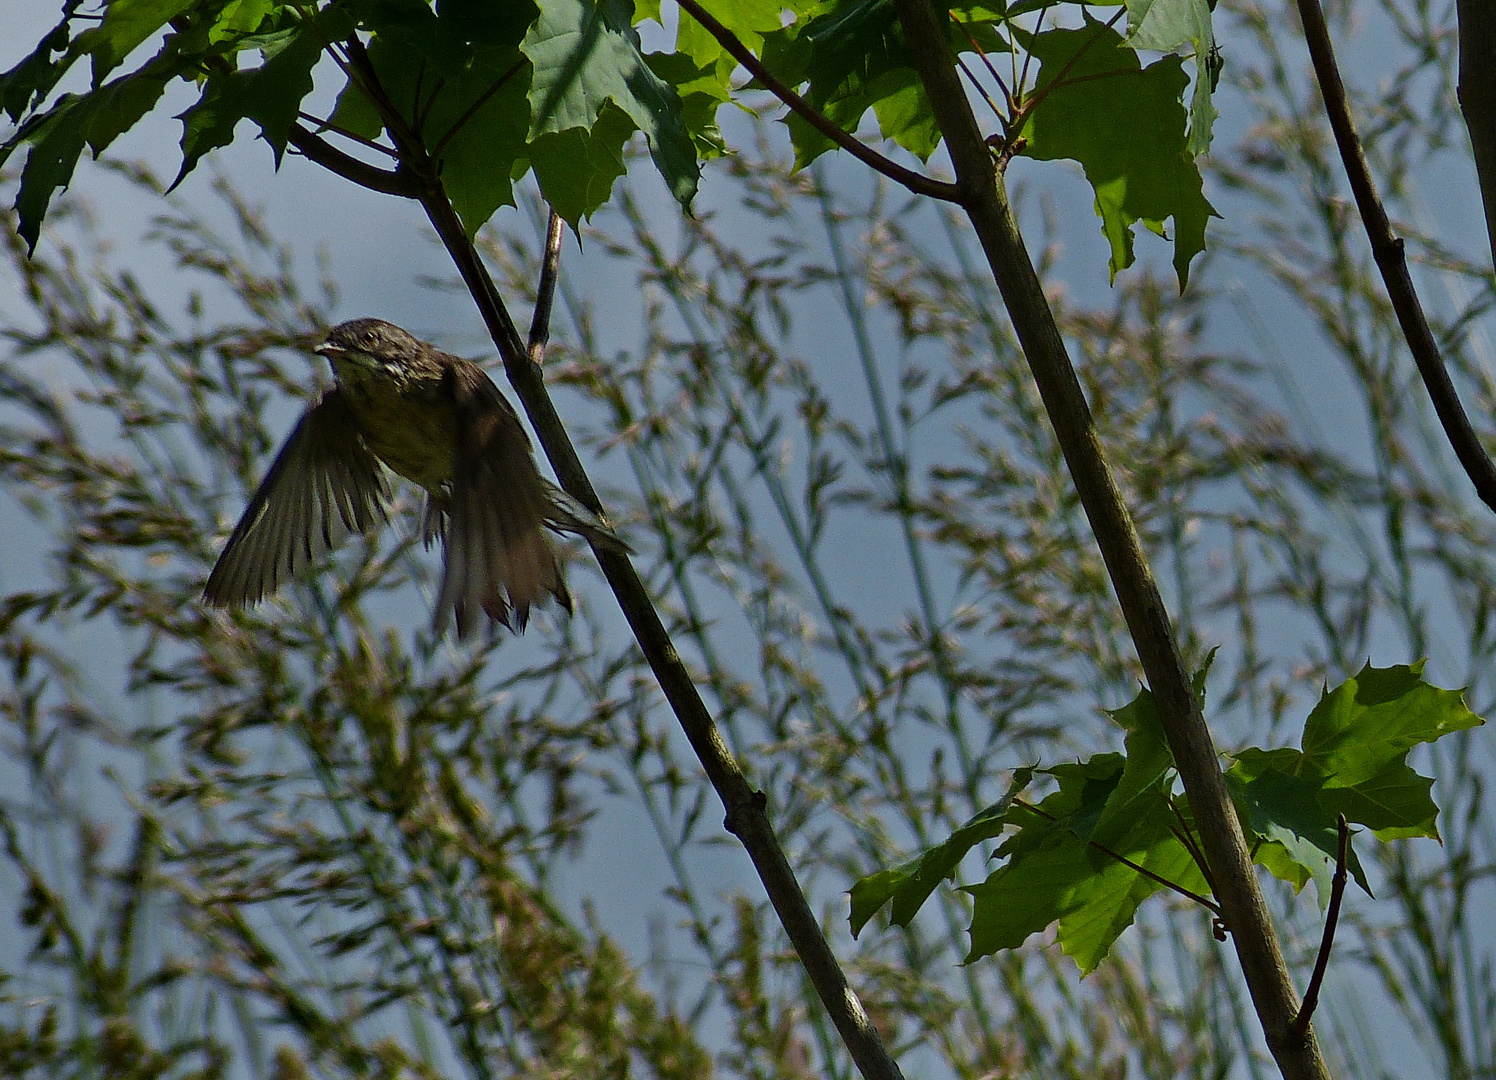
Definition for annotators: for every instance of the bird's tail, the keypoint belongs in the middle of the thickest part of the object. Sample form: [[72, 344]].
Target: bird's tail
[[565, 514]]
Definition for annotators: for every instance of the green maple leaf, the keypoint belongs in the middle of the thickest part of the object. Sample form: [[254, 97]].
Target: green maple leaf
[[270, 95], [910, 884], [474, 118], [1056, 872], [1353, 761], [576, 168], [126, 25], [749, 20], [851, 57], [58, 137], [587, 54], [1125, 124], [703, 89], [33, 78], [1168, 25]]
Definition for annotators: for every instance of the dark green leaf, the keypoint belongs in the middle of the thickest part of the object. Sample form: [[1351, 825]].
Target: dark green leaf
[[94, 120], [854, 58], [1126, 126], [126, 24], [239, 19], [703, 90], [586, 54], [1284, 807], [270, 95], [576, 168], [474, 121], [29, 82]]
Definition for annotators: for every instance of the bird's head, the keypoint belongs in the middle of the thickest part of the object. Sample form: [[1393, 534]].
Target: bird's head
[[363, 348]]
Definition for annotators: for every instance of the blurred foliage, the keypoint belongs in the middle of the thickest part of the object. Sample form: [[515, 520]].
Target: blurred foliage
[[311, 840]]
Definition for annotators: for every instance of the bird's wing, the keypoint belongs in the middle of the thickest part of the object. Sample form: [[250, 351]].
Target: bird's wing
[[324, 484], [498, 557]]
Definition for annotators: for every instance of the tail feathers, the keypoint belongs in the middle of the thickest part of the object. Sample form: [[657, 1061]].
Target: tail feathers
[[499, 560], [565, 514]]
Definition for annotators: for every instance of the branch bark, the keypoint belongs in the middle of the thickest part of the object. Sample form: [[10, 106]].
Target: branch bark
[[1477, 91], [1387, 249], [1238, 891], [746, 808]]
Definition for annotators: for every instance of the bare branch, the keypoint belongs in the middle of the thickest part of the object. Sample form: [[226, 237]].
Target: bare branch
[[1387, 249], [350, 168], [1332, 917]]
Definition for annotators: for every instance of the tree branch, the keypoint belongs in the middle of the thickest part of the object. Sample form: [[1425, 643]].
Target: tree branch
[[545, 292], [1387, 249], [915, 182], [1332, 917], [1237, 887], [1477, 92], [745, 807], [349, 167]]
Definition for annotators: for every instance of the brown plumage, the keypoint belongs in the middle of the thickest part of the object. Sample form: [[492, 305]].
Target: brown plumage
[[438, 421]]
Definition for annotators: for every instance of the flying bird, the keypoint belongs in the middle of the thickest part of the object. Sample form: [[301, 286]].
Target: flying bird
[[438, 421]]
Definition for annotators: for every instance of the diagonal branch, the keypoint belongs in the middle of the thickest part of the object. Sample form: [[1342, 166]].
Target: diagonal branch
[[1387, 249], [1332, 918], [746, 807], [1237, 888], [915, 182], [349, 167]]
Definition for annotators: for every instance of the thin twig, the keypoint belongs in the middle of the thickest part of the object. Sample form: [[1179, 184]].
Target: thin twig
[[1015, 128], [545, 292], [915, 182], [1387, 249], [1332, 916], [991, 69], [1125, 861], [979, 88], [1187, 838], [353, 136]]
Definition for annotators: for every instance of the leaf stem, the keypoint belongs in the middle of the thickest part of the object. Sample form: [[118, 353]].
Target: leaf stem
[[1187, 838], [987, 62], [1159, 879], [915, 182]]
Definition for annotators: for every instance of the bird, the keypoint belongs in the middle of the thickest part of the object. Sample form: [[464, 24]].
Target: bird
[[438, 421]]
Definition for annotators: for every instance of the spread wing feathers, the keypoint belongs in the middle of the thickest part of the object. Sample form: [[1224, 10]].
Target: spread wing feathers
[[498, 557], [325, 483]]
